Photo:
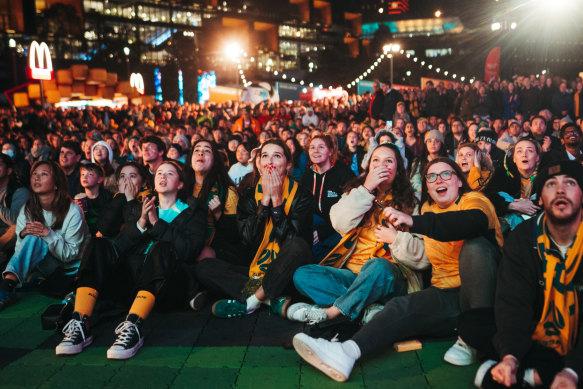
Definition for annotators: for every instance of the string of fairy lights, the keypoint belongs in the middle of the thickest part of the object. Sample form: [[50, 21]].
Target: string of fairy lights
[[389, 51]]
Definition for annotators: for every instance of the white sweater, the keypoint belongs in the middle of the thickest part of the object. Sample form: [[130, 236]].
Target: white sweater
[[67, 243]]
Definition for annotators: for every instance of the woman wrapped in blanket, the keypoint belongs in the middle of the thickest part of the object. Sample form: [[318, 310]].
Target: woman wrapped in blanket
[[50, 236], [150, 255], [214, 187], [275, 222], [361, 269], [461, 240], [476, 166]]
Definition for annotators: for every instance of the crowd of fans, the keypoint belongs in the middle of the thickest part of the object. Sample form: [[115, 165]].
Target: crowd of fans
[[413, 213]]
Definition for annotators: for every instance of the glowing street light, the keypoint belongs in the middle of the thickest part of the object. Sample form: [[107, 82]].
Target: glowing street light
[[437, 13], [496, 26]]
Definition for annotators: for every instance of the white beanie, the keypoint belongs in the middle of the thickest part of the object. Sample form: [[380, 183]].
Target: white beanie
[[104, 144]]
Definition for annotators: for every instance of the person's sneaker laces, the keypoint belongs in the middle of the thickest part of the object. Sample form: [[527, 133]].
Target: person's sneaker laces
[[279, 306], [460, 354], [482, 371], [198, 301], [328, 357], [306, 313], [129, 338], [227, 309], [77, 336]]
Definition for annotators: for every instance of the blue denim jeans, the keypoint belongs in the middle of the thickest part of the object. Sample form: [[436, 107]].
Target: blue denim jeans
[[377, 281], [33, 255]]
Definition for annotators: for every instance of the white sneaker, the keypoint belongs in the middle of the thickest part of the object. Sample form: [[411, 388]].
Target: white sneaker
[[460, 354], [306, 313], [326, 356], [482, 370]]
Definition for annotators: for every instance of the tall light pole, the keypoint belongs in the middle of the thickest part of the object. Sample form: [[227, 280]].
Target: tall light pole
[[387, 49]]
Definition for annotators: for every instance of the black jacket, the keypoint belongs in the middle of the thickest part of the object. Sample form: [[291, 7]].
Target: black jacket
[[390, 104], [116, 213], [502, 182], [252, 219], [520, 297], [328, 194], [186, 233], [376, 105]]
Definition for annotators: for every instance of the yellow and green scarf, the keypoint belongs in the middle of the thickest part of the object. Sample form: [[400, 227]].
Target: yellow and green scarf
[[557, 328], [269, 248]]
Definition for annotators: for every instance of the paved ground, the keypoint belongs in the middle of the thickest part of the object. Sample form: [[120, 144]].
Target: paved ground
[[195, 350]]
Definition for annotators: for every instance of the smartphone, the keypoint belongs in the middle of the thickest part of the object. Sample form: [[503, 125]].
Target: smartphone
[[389, 125]]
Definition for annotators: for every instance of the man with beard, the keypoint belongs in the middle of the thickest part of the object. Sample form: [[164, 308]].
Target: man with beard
[[571, 140], [536, 326]]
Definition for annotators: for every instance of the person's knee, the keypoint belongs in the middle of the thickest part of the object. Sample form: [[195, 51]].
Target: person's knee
[[303, 276], [31, 239], [379, 267], [478, 252]]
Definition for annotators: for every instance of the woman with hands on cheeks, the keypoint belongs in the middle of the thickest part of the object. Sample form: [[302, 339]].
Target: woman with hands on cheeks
[[51, 232], [275, 223], [134, 185], [363, 268]]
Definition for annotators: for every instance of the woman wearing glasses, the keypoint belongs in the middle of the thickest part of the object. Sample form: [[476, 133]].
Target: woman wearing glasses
[[461, 239]]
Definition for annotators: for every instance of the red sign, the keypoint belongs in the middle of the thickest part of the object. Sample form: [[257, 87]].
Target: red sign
[[492, 68]]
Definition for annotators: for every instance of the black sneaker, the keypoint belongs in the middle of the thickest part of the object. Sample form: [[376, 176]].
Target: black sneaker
[[129, 339], [77, 336]]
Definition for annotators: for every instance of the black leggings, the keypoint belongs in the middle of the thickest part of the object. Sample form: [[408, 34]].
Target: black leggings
[[119, 277], [224, 278]]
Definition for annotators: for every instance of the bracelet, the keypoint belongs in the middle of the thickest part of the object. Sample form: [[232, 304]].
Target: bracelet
[[369, 191]]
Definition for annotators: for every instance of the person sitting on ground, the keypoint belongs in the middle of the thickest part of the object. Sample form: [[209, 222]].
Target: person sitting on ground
[[96, 196], [102, 155], [214, 188], [475, 165], [433, 148], [176, 153], [275, 222], [51, 234], [153, 151], [511, 187], [150, 255], [325, 180], [361, 269], [13, 195], [242, 167], [69, 158], [353, 153], [134, 184], [486, 141], [533, 336], [461, 239], [300, 159]]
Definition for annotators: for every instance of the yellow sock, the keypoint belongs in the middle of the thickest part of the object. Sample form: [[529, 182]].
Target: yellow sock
[[143, 304], [85, 300]]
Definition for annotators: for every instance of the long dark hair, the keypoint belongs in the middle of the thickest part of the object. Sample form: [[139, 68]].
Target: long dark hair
[[403, 193], [217, 175], [61, 201], [458, 172]]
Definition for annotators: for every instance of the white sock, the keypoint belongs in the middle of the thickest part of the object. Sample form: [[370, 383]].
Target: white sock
[[253, 303], [351, 349]]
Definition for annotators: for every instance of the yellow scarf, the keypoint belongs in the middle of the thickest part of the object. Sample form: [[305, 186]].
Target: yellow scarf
[[557, 328], [346, 248], [269, 248], [210, 219]]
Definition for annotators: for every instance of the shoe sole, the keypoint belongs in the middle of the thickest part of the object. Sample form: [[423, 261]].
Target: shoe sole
[[125, 354], [459, 362], [73, 349], [482, 371], [198, 302], [313, 359]]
